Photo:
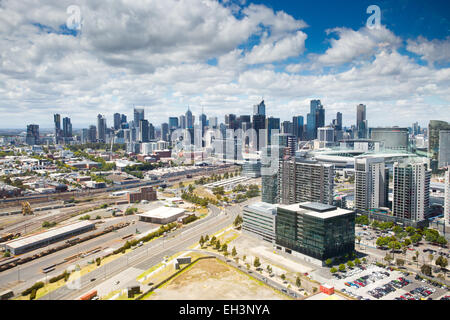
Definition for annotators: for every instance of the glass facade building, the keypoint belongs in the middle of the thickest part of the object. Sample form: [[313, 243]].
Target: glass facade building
[[316, 230]]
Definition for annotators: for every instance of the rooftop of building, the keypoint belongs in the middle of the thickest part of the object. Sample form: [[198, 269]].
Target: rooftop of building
[[162, 212], [318, 210], [47, 234], [263, 207]]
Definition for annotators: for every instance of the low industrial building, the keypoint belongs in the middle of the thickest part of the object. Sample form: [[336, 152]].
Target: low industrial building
[[259, 221], [315, 232], [162, 215], [145, 193], [25, 244]]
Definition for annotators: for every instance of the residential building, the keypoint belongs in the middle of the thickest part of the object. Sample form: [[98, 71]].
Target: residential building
[[411, 199], [371, 183], [301, 180]]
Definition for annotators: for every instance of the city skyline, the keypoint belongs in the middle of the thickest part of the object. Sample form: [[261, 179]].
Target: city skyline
[[276, 50]]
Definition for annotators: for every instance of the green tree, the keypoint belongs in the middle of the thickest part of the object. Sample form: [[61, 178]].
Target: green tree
[[283, 277], [400, 262], [224, 247], [442, 262], [298, 282], [234, 252], [441, 241], [334, 270], [201, 241], [350, 264], [342, 267], [426, 270], [256, 263], [218, 244], [328, 262], [357, 262]]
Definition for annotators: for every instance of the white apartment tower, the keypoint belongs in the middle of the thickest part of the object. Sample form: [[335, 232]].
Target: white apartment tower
[[411, 190], [371, 183]]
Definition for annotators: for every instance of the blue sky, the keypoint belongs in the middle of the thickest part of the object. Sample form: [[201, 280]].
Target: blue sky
[[223, 57]]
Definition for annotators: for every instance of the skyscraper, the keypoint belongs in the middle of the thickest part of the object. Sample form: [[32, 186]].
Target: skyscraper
[[361, 121], [92, 134], [339, 121], [297, 127], [101, 128], [138, 116], [165, 132], [394, 138], [444, 148], [32, 137], [371, 183], [270, 157], [315, 119], [182, 122], [302, 180], [58, 132], [173, 123], [143, 135], [117, 121], [231, 121], [189, 119], [67, 129], [259, 109], [272, 124], [411, 190]]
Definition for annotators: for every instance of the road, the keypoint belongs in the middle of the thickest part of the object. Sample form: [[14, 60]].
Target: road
[[30, 272], [152, 253]]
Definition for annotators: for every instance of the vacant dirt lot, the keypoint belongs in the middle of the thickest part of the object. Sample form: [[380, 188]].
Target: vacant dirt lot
[[213, 280]]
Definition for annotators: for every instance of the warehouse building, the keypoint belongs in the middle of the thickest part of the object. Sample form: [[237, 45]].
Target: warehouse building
[[145, 193], [25, 244], [162, 215]]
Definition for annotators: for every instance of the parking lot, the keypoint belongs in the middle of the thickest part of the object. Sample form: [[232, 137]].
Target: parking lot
[[376, 283]]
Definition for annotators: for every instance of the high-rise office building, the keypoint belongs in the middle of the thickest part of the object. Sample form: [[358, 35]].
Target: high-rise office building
[[117, 121], [123, 119], [444, 148], [58, 131], [189, 119], [287, 127], [139, 115], [434, 128], [361, 121], [315, 119], [259, 123], [151, 132], [259, 220], [315, 232], [32, 137], [143, 135], [165, 132], [67, 129], [271, 124], [338, 125], [92, 134], [301, 180], [213, 122], [101, 128], [182, 121], [231, 122], [297, 127], [371, 183], [411, 190], [259, 109], [173, 123]]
